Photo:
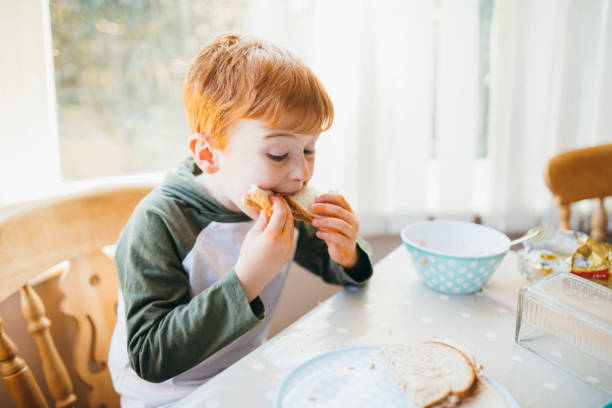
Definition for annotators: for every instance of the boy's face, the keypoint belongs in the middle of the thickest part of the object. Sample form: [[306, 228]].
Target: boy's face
[[273, 159]]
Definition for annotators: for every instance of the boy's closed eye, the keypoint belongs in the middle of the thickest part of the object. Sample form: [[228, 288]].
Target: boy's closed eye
[[278, 157], [282, 157]]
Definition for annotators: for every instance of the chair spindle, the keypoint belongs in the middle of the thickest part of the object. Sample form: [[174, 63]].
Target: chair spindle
[[599, 221], [17, 375], [56, 375]]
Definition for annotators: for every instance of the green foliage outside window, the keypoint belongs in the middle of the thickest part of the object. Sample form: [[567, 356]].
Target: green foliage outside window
[[119, 67]]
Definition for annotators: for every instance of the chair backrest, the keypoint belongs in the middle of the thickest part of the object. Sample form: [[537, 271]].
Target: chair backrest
[[578, 175], [65, 236]]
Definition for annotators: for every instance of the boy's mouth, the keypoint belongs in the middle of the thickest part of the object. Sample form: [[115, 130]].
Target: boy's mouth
[[289, 192], [285, 193]]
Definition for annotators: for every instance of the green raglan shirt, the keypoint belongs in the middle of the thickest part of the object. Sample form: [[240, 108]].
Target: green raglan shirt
[[169, 329]]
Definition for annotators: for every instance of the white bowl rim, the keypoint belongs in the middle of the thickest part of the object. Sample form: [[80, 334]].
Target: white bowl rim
[[452, 222]]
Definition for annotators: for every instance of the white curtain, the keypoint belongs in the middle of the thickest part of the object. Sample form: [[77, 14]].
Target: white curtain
[[551, 91], [404, 77], [377, 60]]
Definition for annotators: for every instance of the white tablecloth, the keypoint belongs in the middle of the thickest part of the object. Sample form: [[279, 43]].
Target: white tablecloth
[[396, 308]]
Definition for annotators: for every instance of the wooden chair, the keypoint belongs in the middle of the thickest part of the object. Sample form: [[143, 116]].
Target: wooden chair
[[578, 175], [34, 240]]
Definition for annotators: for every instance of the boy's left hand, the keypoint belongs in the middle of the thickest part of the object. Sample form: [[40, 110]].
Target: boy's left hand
[[338, 227]]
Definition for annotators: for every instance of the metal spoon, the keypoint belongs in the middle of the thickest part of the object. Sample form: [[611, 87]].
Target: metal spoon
[[526, 237]]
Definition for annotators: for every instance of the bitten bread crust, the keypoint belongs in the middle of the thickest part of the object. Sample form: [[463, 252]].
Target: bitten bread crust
[[259, 199]]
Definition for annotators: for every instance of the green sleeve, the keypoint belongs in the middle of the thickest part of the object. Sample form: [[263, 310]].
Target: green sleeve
[[162, 318], [312, 254]]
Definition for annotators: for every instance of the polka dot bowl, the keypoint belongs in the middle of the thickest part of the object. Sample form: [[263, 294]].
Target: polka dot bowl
[[454, 256]]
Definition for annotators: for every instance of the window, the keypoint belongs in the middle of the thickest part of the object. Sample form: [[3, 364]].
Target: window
[[119, 67], [484, 75], [115, 69], [485, 11]]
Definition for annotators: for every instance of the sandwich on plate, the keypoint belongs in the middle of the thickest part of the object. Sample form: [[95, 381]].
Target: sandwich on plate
[[435, 374], [298, 202]]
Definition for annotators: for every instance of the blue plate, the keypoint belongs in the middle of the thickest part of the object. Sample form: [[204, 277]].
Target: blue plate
[[353, 376]]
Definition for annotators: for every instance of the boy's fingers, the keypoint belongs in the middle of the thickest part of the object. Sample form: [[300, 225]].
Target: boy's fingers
[[261, 222], [334, 238], [251, 211], [289, 228], [289, 218], [280, 211], [335, 211], [335, 224], [332, 198]]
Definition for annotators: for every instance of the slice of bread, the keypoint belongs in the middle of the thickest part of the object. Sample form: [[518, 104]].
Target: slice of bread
[[298, 203], [432, 374], [260, 199]]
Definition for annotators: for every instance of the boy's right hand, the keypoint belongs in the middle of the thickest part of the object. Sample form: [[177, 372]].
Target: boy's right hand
[[266, 249]]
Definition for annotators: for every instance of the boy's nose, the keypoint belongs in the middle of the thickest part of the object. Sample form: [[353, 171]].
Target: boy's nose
[[300, 171]]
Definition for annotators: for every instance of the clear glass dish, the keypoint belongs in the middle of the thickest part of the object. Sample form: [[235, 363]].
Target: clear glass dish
[[567, 320], [549, 252]]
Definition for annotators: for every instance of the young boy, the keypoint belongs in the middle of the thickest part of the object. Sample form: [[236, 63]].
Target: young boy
[[201, 272]]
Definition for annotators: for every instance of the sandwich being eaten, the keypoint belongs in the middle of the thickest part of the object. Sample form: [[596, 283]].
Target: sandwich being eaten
[[432, 374], [298, 203]]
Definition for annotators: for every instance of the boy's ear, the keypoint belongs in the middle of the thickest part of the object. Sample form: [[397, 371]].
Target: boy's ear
[[202, 148]]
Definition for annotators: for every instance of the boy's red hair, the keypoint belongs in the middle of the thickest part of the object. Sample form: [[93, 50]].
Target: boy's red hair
[[237, 77]]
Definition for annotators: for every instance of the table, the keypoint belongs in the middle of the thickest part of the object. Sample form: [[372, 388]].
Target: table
[[395, 307]]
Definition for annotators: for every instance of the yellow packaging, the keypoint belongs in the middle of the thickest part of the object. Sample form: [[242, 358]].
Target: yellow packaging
[[592, 260]]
